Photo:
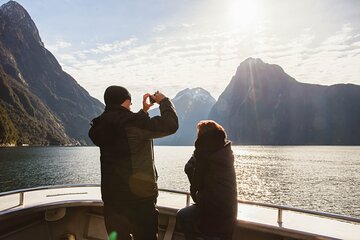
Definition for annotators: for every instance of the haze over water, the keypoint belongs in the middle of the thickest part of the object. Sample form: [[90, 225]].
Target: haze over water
[[322, 178]]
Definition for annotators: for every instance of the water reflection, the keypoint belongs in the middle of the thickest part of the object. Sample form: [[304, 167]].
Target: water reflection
[[38, 166], [317, 178]]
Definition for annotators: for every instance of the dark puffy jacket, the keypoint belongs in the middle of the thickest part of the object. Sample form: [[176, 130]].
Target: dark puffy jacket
[[126, 150], [213, 183]]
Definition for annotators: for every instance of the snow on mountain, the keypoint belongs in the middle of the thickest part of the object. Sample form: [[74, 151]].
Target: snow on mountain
[[192, 105]]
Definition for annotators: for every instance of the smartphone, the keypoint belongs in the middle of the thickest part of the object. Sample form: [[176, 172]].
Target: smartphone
[[151, 100]]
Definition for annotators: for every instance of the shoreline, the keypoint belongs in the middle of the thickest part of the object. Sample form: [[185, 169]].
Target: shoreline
[[242, 145]]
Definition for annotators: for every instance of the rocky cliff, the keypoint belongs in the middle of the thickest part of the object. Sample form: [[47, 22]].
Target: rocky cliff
[[41, 103], [264, 105]]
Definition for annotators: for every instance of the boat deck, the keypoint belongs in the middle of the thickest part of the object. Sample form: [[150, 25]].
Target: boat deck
[[289, 222]]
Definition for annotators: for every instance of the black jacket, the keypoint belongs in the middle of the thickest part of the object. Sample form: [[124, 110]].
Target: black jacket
[[128, 172], [213, 183]]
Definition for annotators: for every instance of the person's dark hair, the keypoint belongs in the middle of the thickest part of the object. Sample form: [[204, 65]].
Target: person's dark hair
[[116, 95], [211, 137], [205, 126]]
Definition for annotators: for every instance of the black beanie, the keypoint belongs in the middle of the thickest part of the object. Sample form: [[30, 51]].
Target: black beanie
[[116, 95]]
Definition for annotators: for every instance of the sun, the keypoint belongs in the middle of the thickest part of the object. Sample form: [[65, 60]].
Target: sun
[[243, 14]]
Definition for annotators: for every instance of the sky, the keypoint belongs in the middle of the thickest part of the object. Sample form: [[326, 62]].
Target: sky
[[170, 45]]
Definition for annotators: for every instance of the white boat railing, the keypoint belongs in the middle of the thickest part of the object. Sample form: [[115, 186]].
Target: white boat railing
[[280, 208]]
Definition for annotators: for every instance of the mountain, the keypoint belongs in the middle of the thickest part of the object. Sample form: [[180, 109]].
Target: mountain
[[192, 105], [39, 102], [264, 105]]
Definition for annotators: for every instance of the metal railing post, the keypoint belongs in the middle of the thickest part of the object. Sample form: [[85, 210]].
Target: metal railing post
[[279, 220], [187, 200], [21, 200]]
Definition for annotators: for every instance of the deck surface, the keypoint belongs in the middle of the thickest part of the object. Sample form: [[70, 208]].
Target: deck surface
[[251, 214]]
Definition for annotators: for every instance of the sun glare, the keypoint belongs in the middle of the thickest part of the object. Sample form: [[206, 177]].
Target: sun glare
[[243, 14]]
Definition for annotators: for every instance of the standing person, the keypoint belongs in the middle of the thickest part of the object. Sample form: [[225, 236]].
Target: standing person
[[212, 185], [128, 174]]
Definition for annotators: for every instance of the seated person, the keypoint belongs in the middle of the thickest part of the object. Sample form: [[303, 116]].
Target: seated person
[[212, 185]]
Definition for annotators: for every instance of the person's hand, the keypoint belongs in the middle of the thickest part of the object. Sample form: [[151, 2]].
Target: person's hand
[[158, 97], [146, 105]]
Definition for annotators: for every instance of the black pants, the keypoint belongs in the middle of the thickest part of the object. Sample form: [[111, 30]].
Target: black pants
[[189, 218], [139, 219]]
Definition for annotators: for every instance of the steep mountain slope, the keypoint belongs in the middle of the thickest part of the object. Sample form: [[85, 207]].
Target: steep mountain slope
[[264, 105], [36, 92]]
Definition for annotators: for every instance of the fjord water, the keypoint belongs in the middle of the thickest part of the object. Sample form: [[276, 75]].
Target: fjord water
[[322, 178]]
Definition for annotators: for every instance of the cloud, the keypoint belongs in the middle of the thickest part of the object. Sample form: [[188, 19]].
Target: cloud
[[187, 25], [159, 28], [58, 46], [116, 46], [328, 62], [209, 60], [68, 58]]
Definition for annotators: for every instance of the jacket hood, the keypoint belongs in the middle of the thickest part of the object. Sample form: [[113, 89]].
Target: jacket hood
[[210, 142], [214, 147]]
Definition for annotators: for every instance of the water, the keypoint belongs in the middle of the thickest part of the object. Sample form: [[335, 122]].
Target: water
[[310, 177]]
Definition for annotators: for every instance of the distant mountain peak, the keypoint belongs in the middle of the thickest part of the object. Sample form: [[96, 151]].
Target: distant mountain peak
[[258, 63], [14, 10], [16, 18], [192, 105], [251, 60], [255, 70], [195, 94], [196, 90], [11, 4], [264, 105]]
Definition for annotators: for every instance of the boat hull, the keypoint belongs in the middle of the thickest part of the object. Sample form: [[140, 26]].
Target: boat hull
[[53, 212]]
